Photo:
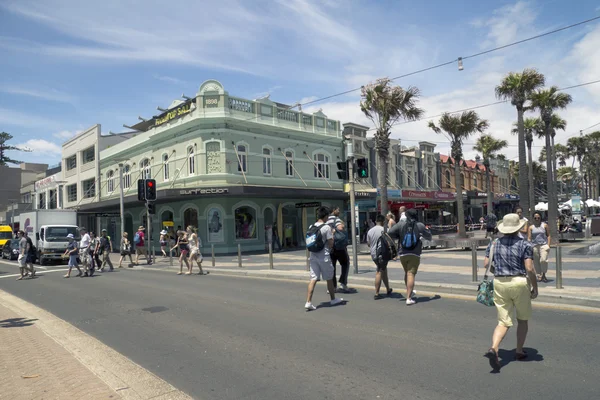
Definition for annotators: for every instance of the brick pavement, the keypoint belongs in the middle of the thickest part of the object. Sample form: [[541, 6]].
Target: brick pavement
[[34, 366]]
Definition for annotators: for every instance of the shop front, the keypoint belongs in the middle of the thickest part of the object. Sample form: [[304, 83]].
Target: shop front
[[434, 208]]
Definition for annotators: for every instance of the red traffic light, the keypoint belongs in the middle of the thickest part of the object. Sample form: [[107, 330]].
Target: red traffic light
[[150, 183]]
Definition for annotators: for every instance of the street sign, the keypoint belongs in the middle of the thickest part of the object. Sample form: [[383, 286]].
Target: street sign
[[308, 205], [107, 215]]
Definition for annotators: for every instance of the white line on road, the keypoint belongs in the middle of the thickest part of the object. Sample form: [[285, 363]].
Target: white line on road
[[36, 272]]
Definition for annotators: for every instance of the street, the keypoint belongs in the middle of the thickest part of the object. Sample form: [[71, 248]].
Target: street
[[221, 337]]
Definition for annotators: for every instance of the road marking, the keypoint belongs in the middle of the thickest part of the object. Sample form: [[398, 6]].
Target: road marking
[[125, 377], [36, 272]]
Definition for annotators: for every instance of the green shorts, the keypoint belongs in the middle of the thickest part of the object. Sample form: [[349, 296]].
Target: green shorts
[[410, 263]]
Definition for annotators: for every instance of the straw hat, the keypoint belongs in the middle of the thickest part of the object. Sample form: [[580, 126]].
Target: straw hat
[[511, 224], [141, 228], [163, 232]]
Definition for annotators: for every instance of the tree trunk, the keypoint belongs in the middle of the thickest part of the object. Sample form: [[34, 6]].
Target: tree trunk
[[382, 182], [530, 180], [552, 198], [490, 206], [523, 191], [459, 199]]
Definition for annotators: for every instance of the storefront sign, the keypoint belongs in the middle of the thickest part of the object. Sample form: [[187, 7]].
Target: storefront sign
[[392, 193], [107, 215], [416, 194], [44, 182], [444, 196], [308, 205], [364, 194], [511, 196], [204, 191], [177, 112]]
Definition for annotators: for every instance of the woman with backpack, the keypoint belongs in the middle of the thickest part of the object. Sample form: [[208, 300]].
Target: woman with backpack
[[125, 250]]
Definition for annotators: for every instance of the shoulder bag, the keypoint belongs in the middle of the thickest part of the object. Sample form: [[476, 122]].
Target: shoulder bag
[[485, 290]]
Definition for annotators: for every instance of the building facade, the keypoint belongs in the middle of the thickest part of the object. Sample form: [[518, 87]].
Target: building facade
[[12, 201]]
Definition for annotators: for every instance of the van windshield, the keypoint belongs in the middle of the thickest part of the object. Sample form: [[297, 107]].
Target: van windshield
[[59, 233], [6, 235]]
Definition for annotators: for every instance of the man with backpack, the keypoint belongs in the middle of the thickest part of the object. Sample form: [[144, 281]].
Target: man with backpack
[[339, 252], [382, 251], [319, 242], [409, 234], [105, 248], [490, 225], [140, 248]]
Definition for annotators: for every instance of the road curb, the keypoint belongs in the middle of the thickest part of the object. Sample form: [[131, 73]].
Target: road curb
[[556, 301]]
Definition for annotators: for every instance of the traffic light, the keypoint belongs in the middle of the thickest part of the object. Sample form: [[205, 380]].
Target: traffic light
[[342, 170], [150, 190], [151, 208], [362, 168], [141, 190]]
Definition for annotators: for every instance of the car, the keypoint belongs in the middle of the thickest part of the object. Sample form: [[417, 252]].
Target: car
[[10, 250]]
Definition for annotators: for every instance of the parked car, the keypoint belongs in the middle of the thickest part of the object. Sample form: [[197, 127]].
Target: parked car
[[10, 250]]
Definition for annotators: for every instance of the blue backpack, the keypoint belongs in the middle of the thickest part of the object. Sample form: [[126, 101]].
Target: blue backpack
[[314, 239], [136, 238], [409, 239]]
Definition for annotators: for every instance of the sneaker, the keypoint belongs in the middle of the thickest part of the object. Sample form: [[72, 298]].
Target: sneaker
[[336, 301], [413, 294], [389, 291], [343, 287], [309, 306], [410, 302]]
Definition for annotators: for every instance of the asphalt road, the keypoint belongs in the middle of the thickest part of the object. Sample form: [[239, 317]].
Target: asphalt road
[[218, 337]]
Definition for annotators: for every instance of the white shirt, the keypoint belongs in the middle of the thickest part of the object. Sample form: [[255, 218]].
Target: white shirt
[[327, 234], [85, 241], [520, 234], [402, 217]]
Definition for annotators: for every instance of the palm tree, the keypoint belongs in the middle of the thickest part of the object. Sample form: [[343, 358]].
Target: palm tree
[[4, 147], [517, 87], [546, 101], [489, 146], [458, 128], [594, 159], [577, 147], [385, 104], [530, 126]]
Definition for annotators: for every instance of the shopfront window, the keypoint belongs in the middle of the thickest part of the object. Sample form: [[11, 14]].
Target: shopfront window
[[245, 223]]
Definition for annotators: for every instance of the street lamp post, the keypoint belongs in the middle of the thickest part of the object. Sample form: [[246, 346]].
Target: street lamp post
[[121, 200]]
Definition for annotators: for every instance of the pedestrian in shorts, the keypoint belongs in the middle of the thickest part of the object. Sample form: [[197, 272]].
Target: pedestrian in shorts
[[72, 253], [105, 248], [24, 259], [372, 238], [320, 262], [125, 250], [84, 254]]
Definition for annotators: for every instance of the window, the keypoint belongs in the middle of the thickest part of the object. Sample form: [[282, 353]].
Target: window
[[72, 193], [462, 181], [242, 153], [52, 199], [475, 182], [89, 188], [126, 177], [426, 178], [88, 155], [42, 201], [266, 161], [110, 181], [358, 147], [165, 160], [416, 179], [245, 223], [321, 166], [289, 163], [71, 162], [448, 180], [191, 161], [146, 170], [190, 217]]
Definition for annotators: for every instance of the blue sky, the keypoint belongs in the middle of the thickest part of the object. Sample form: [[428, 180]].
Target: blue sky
[[66, 65]]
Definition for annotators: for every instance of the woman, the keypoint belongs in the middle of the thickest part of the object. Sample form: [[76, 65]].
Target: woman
[[390, 220], [72, 252], [93, 250], [195, 255], [182, 244], [539, 236], [163, 242], [125, 250]]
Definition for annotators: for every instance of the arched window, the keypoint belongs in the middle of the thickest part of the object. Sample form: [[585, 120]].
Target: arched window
[[126, 177], [321, 166], [110, 181], [245, 223], [289, 163], [191, 161], [165, 161], [266, 161], [190, 217], [448, 179], [146, 170], [242, 153]]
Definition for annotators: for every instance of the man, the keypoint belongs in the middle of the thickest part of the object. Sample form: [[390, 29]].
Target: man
[[513, 264], [409, 233], [24, 250], [524, 230], [490, 225], [105, 248], [84, 254], [140, 248], [320, 262], [402, 211], [372, 238], [339, 252]]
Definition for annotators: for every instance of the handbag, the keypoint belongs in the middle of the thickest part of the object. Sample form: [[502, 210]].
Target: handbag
[[485, 290]]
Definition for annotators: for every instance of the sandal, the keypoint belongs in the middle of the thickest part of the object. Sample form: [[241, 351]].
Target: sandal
[[492, 356], [545, 280], [67, 276], [179, 273], [521, 356]]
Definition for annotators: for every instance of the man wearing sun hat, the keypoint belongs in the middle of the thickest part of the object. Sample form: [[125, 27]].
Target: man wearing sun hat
[[513, 275]]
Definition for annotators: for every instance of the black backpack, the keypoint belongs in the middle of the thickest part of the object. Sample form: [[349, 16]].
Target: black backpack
[[314, 239], [31, 247], [409, 239], [385, 250], [340, 238]]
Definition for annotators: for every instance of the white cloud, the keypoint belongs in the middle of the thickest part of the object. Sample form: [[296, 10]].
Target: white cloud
[[65, 135], [168, 79], [49, 94], [41, 147]]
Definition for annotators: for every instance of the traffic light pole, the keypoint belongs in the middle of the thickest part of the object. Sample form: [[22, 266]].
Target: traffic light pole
[[149, 223], [353, 214]]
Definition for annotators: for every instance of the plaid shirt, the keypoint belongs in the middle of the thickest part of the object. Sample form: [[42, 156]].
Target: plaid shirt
[[510, 253]]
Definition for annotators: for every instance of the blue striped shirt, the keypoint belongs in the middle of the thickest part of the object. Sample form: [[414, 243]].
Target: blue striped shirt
[[510, 253]]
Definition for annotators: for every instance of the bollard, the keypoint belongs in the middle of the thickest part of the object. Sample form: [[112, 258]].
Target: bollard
[[270, 255], [212, 251], [153, 256], [307, 261], [239, 255], [558, 267], [474, 261]]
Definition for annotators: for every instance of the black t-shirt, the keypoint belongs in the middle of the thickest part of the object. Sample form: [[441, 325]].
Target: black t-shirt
[[30, 243]]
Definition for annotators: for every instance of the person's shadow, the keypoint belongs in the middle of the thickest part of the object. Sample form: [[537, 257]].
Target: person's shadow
[[509, 356], [426, 299], [327, 304], [16, 322]]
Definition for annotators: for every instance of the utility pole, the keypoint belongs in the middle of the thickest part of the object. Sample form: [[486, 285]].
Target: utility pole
[[148, 240], [351, 179], [121, 201]]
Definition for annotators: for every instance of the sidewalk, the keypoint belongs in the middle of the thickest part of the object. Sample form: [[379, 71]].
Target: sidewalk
[[34, 366]]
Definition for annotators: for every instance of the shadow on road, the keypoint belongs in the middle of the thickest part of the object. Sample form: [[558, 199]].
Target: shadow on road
[[16, 322], [427, 299], [326, 304], [508, 356]]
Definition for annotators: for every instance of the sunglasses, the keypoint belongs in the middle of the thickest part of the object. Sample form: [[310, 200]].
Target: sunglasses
[[537, 218]]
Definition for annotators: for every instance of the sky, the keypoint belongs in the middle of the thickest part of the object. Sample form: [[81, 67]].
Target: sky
[[66, 65]]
